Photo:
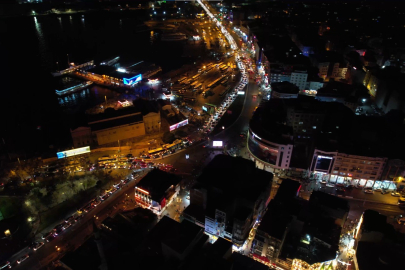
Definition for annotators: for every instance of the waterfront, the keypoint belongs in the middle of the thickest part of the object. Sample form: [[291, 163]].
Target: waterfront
[[32, 47]]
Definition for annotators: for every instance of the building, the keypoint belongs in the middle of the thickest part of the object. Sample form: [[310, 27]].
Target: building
[[117, 124], [172, 240], [299, 234], [233, 195], [338, 167], [339, 92], [157, 190], [331, 65], [114, 125], [284, 90], [299, 78], [379, 245]]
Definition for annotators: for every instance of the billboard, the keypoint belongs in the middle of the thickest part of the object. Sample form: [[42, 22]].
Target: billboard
[[217, 143], [323, 163], [178, 125], [265, 153], [133, 80], [73, 152]]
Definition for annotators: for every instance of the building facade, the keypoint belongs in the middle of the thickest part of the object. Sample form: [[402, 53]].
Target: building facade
[[341, 168], [299, 78], [268, 155]]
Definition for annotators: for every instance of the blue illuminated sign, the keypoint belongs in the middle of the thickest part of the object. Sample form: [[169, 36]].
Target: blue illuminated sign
[[133, 80]]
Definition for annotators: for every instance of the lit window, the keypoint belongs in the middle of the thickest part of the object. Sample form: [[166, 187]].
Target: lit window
[[301, 123], [314, 127], [304, 130], [337, 127]]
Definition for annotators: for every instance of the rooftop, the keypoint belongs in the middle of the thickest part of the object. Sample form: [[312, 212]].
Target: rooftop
[[181, 236], [235, 177], [275, 222], [157, 182], [288, 190], [110, 123], [326, 200], [285, 88], [379, 256]]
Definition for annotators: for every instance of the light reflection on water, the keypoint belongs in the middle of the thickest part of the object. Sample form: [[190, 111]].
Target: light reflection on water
[[85, 98]]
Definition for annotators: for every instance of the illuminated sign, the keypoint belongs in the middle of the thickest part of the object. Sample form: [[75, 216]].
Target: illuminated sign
[[133, 80], [178, 125], [325, 157], [73, 152], [241, 92], [254, 135], [217, 143], [121, 70], [153, 81], [204, 108]]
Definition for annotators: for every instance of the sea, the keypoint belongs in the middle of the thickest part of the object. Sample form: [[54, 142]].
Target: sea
[[34, 120]]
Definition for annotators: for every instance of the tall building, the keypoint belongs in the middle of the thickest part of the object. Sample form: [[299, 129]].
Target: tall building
[[299, 78], [232, 193]]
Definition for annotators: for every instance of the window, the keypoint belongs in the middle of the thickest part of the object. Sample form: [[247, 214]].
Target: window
[[314, 127], [304, 130], [300, 123]]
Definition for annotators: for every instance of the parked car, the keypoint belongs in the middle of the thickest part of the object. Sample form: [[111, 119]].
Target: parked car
[[396, 194], [5, 265], [368, 190], [37, 245]]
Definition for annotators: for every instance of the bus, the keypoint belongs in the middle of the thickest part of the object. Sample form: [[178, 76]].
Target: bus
[[106, 159], [226, 91], [182, 79], [175, 145], [214, 83], [156, 151]]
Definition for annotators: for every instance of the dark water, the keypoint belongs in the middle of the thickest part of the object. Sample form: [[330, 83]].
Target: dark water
[[33, 117]]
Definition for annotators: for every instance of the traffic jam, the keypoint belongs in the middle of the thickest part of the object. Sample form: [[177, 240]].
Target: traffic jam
[[239, 89], [137, 164]]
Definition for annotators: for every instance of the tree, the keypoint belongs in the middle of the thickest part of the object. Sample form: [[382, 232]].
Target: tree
[[168, 137], [180, 133]]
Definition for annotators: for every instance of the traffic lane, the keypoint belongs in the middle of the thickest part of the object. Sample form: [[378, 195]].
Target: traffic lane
[[242, 123], [360, 194], [46, 254], [358, 207]]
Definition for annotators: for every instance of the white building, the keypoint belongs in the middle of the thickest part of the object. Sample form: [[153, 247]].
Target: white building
[[299, 78], [267, 155], [342, 168]]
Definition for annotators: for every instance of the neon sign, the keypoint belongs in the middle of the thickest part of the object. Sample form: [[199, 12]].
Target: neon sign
[[133, 80], [73, 152]]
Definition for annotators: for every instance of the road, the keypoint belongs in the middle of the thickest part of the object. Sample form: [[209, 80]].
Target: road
[[78, 233]]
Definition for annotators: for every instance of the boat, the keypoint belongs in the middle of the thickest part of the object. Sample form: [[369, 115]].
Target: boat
[[174, 37], [73, 89]]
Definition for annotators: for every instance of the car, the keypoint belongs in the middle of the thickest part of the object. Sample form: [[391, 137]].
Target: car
[[67, 225], [368, 190], [5, 265], [396, 194], [37, 245], [78, 218], [70, 219], [50, 238], [384, 191], [349, 187], [58, 228], [340, 189], [47, 235], [378, 189]]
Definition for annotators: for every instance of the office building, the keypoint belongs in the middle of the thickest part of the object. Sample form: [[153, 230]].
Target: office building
[[233, 194], [157, 190]]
